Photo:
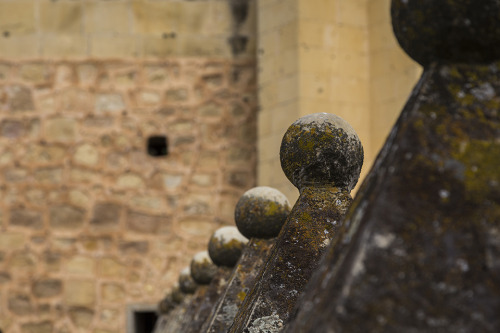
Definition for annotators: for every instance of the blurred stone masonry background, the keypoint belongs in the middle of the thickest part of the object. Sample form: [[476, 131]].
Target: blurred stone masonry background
[[92, 228]]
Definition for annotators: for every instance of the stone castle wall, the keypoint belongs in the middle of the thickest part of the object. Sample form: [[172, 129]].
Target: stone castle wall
[[89, 221]]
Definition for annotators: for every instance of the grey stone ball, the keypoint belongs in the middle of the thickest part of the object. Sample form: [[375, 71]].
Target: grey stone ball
[[166, 305], [449, 31], [261, 212], [186, 282], [202, 268], [177, 294], [321, 149], [225, 246]]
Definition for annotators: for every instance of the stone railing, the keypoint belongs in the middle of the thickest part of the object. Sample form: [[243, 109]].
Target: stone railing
[[419, 248]]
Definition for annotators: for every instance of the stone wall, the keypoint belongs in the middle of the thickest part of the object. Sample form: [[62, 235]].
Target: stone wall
[[89, 221]]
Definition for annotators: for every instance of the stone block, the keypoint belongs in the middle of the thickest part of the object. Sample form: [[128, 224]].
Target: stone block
[[22, 47], [26, 218], [86, 74], [80, 265], [60, 17], [160, 47], [155, 18], [37, 327], [47, 288], [17, 17], [109, 102], [203, 180], [66, 217], [130, 181], [110, 267], [197, 226], [12, 240], [145, 223], [112, 293], [16, 98], [86, 154], [84, 176], [211, 110], [133, 247], [12, 129], [107, 17], [49, 154], [75, 100], [81, 317], [106, 214], [176, 95], [198, 204], [36, 73], [23, 261], [49, 175], [60, 129], [4, 277], [20, 305], [114, 46], [80, 293], [62, 46], [15, 175]]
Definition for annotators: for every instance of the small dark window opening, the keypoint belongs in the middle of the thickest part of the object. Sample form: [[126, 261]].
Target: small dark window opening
[[144, 321], [158, 146]]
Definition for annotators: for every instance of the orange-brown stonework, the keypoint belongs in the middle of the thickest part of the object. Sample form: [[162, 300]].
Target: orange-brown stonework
[[89, 222]]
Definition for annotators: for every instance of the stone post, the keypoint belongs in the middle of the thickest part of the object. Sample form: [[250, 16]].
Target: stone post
[[322, 156], [259, 215], [422, 247], [225, 247]]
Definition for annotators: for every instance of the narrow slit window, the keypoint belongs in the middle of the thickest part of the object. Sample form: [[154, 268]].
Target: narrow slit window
[[157, 146], [145, 321]]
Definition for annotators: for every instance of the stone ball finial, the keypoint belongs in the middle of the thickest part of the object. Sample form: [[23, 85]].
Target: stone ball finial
[[186, 282], [321, 149], [202, 268], [261, 212], [177, 294], [448, 30], [225, 246], [166, 305]]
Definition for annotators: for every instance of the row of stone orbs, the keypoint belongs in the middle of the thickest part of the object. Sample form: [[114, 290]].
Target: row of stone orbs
[[260, 212], [322, 155]]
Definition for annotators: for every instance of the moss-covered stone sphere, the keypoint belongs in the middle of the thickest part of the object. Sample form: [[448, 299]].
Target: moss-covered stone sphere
[[321, 149], [186, 282], [203, 269], [261, 212], [448, 30], [177, 294], [166, 304], [225, 246]]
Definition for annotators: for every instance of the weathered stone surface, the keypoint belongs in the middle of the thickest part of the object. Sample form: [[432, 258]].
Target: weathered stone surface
[[203, 301], [12, 128], [450, 31], [38, 327], [26, 218], [110, 267], [239, 283], [81, 265], [17, 98], [60, 129], [66, 217], [225, 246], [261, 212], [202, 268], [47, 288], [131, 247], [112, 293], [4, 276], [81, 317], [80, 293], [86, 154], [49, 175], [144, 223], [322, 156], [422, 244], [109, 103], [106, 214], [20, 305], [186, 282]]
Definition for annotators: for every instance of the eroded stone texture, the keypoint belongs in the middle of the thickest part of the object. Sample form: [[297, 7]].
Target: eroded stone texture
[[261, 211], [322, 156], [186, 281], [421, 251], [203, 269], [225, 246]]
